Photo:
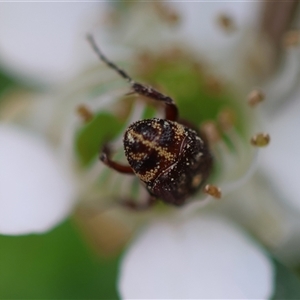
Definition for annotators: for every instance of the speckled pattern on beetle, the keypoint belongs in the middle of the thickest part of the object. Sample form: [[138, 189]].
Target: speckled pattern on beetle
[[171, 159]]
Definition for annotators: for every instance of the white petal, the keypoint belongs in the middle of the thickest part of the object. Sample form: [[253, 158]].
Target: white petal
[[200, 22], [40, 40], [204, 257], [200, 27], [281, 159], [35, 191]]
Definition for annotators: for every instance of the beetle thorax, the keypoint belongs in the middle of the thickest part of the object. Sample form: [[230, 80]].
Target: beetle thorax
[[153, 145]]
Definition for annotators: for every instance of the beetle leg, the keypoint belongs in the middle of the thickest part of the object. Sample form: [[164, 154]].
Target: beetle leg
[[133, 205], [171, 110], [105, 158]]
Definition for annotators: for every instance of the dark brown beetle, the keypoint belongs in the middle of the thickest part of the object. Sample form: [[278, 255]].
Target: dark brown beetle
[[170, 158]]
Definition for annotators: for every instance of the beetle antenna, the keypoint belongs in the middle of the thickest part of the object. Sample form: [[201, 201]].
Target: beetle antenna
[[97, 50], [171, 111]]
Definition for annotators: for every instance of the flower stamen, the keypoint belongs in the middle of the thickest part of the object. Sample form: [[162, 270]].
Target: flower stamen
[[211, 132], [85, 113], [260, 140], [213, 191], [226, 23], [255, 97], [226, 119], [291, 38]]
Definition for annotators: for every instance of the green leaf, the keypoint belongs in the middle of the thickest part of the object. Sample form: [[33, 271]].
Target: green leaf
[[10, 81], [6, 81], [93, 135], [287, 283], [56, 265]]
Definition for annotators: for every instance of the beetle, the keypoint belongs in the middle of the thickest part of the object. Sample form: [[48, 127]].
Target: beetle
[[170, 157]]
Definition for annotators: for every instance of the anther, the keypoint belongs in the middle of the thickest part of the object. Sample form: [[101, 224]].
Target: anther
[[213, 84], [213, 191], [166, 13], [211, 132], [226, 23], [260, 140], [226, 119], [256, 96], [291, 38], [85, 113]]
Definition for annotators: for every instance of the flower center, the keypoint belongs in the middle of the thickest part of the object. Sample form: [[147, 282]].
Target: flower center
[[204, 102]]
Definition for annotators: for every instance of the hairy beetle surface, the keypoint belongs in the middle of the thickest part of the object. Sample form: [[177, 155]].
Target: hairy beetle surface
[[171, 159]]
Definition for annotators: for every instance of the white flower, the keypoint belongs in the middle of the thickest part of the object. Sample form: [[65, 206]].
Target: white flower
[[282, 163], [36, 193], [205, 257], [39, 42]]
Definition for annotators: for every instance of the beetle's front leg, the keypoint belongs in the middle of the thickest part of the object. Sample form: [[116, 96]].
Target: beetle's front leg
[[105, 158], [171, 110]]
